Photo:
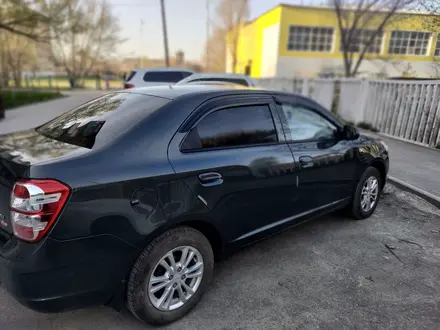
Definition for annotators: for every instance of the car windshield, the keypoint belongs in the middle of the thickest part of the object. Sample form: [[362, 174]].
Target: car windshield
[[115, 112]]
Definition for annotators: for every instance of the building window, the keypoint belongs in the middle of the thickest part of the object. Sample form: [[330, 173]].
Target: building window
[[310, 39], [409, 43], [437, 46], [360, 38]]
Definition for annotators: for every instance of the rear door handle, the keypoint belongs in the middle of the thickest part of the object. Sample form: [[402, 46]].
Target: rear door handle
[[306, 161], [210, 179]]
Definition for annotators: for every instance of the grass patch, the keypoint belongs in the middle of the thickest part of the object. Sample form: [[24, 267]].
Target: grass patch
[[13, 99], [438, 146], [367, 127]]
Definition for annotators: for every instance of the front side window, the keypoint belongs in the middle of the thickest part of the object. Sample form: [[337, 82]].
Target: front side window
[[233, 127], [310, 39], [409, 43], [302, 123]]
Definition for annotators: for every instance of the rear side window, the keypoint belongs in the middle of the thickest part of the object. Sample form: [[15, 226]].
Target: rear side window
[[232, 127], [230, 80], [163, 76], [106, 117], [130, 76]]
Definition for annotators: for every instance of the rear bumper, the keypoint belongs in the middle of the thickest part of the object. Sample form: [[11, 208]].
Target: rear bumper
[[59, 276]]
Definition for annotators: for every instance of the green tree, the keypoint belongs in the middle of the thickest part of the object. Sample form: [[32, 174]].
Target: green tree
[[88, 33]]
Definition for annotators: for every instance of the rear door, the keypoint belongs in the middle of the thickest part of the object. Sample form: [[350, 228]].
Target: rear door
[[233, 157], [326, 162]]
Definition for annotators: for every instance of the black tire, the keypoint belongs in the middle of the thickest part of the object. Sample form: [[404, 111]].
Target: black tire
[[138, 300], [355, 209]]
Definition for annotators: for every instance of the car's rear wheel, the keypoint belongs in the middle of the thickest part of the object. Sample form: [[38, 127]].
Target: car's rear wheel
[[170, 276], [366, 196]]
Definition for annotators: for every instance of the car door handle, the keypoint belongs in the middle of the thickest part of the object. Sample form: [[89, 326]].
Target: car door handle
[[210, 179], [306, 161]]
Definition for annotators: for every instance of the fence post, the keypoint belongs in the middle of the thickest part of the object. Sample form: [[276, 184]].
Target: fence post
[[365, 87], [431, 116], [305, 87]]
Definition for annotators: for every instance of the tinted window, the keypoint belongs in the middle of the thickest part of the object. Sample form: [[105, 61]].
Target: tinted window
[[186, 74], [305, 124], [108, 116], [231, 127], [229, 80], [130, 76], [163, 76]]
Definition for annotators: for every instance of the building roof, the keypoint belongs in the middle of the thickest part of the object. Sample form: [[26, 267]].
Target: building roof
[[327, 7]]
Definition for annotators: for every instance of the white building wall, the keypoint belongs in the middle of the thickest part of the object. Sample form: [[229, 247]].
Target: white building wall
[[293, 66], [269, 55]]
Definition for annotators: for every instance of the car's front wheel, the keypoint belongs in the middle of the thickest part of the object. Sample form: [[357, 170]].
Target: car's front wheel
[[170, 276], [366, 196]]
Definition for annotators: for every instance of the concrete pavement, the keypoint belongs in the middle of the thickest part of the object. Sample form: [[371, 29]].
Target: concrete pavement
[[36, 114], [414, 165]]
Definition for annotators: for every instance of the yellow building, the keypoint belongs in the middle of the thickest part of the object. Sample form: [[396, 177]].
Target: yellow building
[[290, 41]]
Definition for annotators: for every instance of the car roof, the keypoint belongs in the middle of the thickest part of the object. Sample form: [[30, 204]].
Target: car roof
[[174, 91], [162, 69]]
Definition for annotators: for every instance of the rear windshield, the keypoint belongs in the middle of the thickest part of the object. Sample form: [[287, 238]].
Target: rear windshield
[[107, 116], [130, 76], [237, 81], [163, 76]]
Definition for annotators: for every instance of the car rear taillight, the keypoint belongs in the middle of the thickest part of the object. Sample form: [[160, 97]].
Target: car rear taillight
[[128, 86], [35, 205]]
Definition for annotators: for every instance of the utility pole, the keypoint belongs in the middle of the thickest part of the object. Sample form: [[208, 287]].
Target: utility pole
[[141, 62], [164, 31], [207, 36]]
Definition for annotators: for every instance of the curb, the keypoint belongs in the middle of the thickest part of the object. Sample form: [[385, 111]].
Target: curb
[[407, 141], [434, 200]]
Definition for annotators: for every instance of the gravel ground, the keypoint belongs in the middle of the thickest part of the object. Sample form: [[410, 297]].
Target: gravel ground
[[331, 273]]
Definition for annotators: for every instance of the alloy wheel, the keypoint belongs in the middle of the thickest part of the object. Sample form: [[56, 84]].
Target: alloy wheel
[[369, 193], [175, 278]]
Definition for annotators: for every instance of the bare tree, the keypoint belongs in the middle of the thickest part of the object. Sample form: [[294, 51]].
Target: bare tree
[[361, 24], [231, 15], [19, 53], [216, 46], [30, 18], [89, 33], [432, 23]]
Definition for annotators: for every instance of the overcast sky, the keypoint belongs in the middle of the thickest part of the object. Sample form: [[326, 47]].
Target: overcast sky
[[186, 24]]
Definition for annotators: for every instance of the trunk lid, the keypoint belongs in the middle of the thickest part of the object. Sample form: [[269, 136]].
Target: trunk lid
[[18, 152]]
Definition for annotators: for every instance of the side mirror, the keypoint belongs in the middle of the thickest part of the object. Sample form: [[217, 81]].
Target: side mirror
[[350, 132]]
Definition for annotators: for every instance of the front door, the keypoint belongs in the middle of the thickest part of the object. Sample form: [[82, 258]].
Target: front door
[[236, 161], [325, 162]]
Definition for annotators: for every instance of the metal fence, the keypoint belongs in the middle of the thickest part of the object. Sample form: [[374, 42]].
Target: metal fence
[[408, 110]]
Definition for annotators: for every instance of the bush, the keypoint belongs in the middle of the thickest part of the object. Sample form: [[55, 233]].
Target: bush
[[367, 126], [13, 99], [438, 146]]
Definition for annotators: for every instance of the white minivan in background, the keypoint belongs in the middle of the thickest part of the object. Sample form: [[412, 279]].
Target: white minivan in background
[[156, 76]]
